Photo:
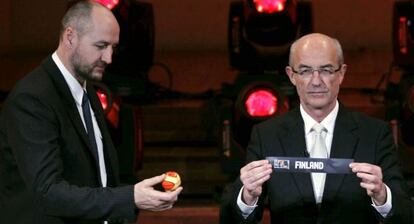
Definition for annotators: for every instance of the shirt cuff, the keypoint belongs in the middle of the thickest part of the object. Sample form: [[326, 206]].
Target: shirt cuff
[[387, 206], [245, 209]]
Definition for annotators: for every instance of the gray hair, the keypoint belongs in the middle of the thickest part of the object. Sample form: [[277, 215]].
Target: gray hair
[[336, 43]]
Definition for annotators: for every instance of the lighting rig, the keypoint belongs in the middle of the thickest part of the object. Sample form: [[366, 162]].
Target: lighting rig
[[260, 33]]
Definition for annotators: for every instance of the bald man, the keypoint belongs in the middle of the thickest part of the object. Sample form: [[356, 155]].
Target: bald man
[[57, 160], [373, 192]]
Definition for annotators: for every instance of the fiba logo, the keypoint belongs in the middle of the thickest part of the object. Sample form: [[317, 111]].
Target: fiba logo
[[281, 164]]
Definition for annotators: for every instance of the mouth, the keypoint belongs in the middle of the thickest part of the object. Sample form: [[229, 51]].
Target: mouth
[[317, 93], [100, 68]]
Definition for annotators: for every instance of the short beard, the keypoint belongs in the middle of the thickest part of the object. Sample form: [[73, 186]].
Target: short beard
[[84, 72]]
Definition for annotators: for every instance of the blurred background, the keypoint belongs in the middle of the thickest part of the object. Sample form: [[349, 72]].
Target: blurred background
[[177, 94]]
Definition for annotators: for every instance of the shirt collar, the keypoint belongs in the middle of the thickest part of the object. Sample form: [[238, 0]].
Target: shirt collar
[[75, 87], [328, 122]]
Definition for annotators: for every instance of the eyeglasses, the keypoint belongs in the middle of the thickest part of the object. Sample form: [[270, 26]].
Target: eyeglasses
[[324, 71]]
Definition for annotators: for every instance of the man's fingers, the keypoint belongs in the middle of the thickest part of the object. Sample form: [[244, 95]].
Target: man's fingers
[[367, 172], [369, 187], [257, 174], [257, 183], [168, 196], [366, 168], [251, 171], [153, 180], [371, 180], [367, 177], [254, 174], [161, 207], [254, 164], [171, 195]]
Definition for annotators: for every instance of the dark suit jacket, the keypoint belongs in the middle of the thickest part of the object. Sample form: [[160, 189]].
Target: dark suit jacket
[[290, 195], [48, 171]]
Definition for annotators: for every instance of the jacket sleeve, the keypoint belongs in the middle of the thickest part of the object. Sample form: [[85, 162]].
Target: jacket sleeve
[[33, 134], [252, 154], [388, 161]]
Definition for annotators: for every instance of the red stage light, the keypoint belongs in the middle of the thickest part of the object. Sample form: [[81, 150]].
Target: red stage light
[[269, 6], [110, 4], [103, 99], [402, 35], [261, 103], [111, 111]]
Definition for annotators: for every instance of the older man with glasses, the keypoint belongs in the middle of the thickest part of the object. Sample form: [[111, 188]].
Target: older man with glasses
[[321, 129]]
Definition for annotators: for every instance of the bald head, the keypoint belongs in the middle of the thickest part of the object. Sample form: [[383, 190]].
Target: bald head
[[316, 41], [80, 16]]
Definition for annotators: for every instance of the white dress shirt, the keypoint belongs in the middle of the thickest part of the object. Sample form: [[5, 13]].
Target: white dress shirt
[[329, 123], [77, 92]]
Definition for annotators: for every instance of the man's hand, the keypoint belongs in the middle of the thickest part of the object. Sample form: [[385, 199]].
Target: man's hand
[[253, 175], [147, 198], [371, 177]]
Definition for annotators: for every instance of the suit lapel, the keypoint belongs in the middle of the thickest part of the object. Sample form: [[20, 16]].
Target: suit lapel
[[294, 145], [69, 103], [108, 148], [343, 146]]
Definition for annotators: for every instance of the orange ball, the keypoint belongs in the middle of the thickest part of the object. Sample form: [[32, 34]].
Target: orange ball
[[172, 181]]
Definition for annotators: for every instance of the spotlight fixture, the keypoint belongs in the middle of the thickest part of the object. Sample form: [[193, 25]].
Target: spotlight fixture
[[257, 101], [269, 6], [127, 75], [260, 103], [260, 32]]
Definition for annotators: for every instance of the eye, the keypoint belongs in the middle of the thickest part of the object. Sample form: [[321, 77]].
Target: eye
[[326, 71], [306, 71], [101, 46]]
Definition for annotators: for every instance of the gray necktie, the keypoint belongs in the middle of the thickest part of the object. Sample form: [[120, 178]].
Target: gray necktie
[[319, 151]]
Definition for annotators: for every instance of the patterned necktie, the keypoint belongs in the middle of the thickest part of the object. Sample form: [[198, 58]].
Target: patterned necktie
[[319, 151]]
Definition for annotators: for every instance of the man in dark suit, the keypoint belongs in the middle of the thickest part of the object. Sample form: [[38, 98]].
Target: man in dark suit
[[57, 161], [374, 192]]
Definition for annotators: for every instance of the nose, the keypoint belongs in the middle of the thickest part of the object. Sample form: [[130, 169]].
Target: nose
[[316, 78], [107, 55]]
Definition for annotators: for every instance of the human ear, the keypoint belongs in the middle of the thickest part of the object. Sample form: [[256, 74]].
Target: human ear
[[69, 37], [343, 71], [290, 74]]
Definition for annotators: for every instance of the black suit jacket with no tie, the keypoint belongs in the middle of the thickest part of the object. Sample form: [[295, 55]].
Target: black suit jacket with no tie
[[48, 170], [290, 195]]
